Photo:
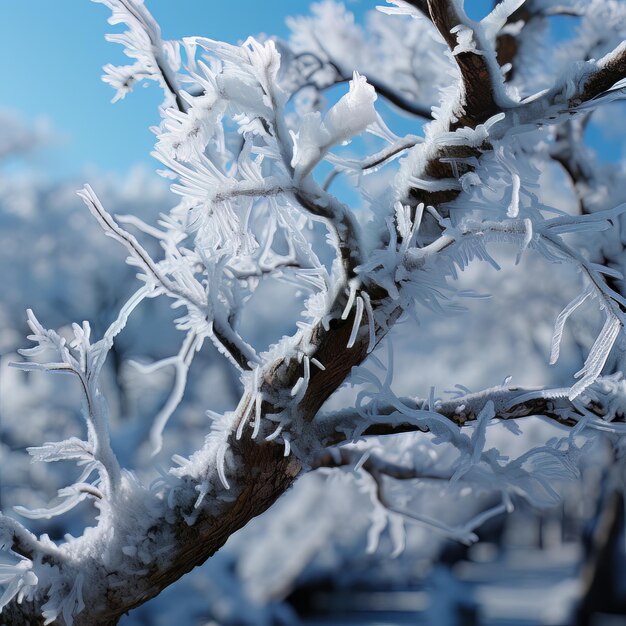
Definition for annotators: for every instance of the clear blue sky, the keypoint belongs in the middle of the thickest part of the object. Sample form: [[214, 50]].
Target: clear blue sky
[[55, 49]]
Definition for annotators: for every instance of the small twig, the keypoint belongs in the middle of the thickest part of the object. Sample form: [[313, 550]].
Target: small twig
[[344, 457], [24, 542], [241, 353]]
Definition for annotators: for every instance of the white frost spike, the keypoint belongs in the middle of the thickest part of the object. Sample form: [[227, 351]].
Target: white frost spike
[[528, 237], [243, 421], [371, 322], [299, 389], [479, 437], [221, 466], [69, 606], [359, 464], [477, 442], [431, 399], [275, 433], [350, 303], [400, 8], [560, 324], [358, 318], [66, 450], [296, 388], [597, 356], [74, 494], [513, 210], [258, 401]]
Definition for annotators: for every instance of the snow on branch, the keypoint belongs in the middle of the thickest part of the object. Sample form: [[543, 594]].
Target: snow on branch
[[602, 407], [473, 47], [154, 59], [532, 475], [583, 88], [14, 537], [84, 360], [183, 288]]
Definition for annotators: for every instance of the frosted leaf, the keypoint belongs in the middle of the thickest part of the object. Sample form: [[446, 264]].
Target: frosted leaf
[[598, 355], [19, 582], [350, 116], [72, 449]]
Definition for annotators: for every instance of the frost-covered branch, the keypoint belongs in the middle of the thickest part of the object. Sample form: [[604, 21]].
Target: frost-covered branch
[[472, 46], [14, 537], [189, 292], [587, 86], [85, 361], [154, 59], [373, 464], [602, 408]]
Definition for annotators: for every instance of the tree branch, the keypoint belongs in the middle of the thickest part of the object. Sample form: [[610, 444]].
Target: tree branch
[[372, 463], [510, 403], [477, 98], [320, 203], [239, 351], [382, 88], [21, 541]]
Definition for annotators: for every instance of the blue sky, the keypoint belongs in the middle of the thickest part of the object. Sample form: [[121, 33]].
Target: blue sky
[[57, 49]]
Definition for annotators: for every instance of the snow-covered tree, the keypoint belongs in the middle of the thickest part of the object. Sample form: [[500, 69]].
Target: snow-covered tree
[[253, 137]]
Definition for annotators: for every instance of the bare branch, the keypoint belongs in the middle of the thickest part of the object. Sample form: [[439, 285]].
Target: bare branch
[[399, 100]]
